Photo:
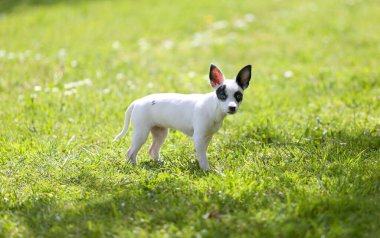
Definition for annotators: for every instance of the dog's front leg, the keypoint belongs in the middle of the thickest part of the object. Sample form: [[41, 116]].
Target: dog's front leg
[[201, 142]]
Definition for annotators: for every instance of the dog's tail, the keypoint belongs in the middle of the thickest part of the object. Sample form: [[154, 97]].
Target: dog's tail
[[127, 118]]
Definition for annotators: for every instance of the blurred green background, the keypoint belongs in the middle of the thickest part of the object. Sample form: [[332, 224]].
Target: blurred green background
[[300, 159]]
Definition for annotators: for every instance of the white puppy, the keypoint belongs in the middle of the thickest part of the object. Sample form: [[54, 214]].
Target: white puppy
[[196, 115]]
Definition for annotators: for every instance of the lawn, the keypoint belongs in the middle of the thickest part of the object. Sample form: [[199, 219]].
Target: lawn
[[299, 159]]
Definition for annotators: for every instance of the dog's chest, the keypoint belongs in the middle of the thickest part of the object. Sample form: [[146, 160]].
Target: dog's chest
[[215, 126]]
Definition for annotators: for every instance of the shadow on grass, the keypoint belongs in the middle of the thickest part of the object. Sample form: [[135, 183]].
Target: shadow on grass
[[160, 203], [190, 166], [163, 203], [10, 5], [360, 141], [172, 205]]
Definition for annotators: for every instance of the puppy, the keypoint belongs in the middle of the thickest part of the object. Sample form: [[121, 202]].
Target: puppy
[[196, 115]]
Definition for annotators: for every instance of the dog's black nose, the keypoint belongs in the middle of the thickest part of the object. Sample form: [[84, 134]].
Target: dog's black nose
[[232, 109]]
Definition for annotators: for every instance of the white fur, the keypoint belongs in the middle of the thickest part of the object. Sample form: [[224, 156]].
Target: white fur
[[196, 115]]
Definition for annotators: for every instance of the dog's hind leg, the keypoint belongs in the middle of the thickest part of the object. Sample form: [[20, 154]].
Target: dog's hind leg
[[139, 136], [158, 138]]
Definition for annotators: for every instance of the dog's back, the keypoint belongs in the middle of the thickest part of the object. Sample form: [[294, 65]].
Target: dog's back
[[169, 110]]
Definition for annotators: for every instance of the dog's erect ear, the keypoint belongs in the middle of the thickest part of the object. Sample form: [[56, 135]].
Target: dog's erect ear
[[216, 76], [243, 77]]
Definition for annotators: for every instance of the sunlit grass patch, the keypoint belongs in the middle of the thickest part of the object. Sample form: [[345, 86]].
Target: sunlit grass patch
[[299, 159]]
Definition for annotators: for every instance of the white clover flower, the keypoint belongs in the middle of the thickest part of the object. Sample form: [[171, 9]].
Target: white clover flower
[[11, 56], [21, 58], [143, 44], [27, 53], [288, 74], [219, 25], [85, 82], [70, 92], [74, 63], [116, 45], [98, 74], [131, 84], [191, 74], [119, 76], [37, 88], [240, 24], [62, 53], [37, 57], [200, 39], [168, 44], [249, 17], [2, 53]]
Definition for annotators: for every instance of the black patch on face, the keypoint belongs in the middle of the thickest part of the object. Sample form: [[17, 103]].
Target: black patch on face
[[153, 102], [221, 93], [238, 96]]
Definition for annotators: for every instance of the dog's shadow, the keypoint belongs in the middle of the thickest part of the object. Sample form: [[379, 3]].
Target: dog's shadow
[[185, 166]]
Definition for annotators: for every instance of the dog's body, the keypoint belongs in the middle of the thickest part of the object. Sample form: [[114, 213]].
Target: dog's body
[[196, 115]]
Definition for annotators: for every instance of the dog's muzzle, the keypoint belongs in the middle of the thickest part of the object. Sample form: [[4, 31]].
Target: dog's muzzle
[[231, 110]]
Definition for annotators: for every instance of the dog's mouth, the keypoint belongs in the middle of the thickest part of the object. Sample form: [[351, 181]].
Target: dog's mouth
[[231, 112]]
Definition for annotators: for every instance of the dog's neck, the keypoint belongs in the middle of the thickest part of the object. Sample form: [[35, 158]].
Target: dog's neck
[[218, 113]]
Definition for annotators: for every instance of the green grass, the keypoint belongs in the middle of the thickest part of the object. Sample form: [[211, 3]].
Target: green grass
[[300, 158]]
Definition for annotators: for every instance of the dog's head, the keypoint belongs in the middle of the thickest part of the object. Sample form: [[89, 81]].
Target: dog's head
[[229, 92]]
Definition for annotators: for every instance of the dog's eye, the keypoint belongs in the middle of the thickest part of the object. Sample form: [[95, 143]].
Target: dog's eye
[[221, 93], [238, 96]]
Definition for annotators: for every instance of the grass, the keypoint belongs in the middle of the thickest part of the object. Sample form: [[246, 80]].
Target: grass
[[300, 158]]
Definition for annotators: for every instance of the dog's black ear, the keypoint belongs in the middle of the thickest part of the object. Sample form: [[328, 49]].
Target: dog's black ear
[[244, 76], [216, 76]]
